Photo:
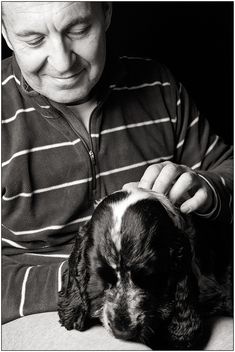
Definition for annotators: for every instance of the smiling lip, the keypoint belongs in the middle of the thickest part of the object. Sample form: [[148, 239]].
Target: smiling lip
[[67, 77], [67, 81]]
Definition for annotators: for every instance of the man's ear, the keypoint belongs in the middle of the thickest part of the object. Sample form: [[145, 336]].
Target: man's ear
[[5, 35], [107, 8]]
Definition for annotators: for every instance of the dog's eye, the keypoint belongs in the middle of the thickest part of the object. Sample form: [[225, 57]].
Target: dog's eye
[[142, 278], [148, 280], [108, 275]]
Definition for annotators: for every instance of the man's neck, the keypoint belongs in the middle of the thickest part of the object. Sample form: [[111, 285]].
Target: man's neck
[[83, 111], [89, 97]]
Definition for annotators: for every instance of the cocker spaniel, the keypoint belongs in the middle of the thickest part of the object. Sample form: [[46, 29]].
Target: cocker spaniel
[[135, 267]]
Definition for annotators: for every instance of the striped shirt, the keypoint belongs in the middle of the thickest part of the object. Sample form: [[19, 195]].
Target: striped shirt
[[53, 170]]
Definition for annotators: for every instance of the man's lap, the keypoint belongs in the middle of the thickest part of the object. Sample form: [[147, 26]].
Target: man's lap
[[43, 332]]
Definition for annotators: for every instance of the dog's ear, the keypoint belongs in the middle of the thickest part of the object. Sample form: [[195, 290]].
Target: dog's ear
[[73, 303], [185, 328]]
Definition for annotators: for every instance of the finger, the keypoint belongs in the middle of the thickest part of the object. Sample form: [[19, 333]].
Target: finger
[[150, 175], [185, 182], [130, 186], [166, 178], [196, 202]]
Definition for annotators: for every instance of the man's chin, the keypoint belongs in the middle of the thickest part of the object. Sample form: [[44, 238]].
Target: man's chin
[[69, 99]]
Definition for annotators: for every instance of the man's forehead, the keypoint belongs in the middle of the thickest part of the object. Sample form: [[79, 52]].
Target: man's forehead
[[42, 15], [14, 8], [19, 6]]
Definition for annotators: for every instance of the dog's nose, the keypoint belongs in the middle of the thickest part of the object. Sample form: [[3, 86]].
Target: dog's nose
[[122, 333]]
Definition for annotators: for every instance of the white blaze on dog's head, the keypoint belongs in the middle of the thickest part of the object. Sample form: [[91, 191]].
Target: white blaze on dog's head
[[119, 208], [137, 194]]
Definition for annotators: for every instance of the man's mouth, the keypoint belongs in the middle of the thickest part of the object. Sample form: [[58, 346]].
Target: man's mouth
[[68, 81], [67, 77]]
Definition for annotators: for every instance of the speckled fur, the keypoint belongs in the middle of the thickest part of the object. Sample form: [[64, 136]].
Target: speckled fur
[[135, 267]]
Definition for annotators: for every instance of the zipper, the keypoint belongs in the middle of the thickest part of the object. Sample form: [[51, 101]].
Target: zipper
[[93, 163], [92, 156], [90, 153], [87, 147]]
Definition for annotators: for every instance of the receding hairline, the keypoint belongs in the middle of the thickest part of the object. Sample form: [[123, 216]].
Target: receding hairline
[[15, 4]]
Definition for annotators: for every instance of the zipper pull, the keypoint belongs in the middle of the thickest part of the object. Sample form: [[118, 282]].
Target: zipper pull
[[92, 156]]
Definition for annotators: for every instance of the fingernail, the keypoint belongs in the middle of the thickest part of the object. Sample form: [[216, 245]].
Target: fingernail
[[130, 186], [185, 209]]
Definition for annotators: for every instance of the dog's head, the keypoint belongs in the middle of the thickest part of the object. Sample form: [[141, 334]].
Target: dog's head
[[131, 268]]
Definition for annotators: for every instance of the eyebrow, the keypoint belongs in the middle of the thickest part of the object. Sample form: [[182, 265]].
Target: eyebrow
[[78, 21], [25, 33], [75, 21]]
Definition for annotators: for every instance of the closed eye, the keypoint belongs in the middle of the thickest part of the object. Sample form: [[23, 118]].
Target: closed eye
[[35, 42], [107, 275], [78, 31], [148, 279], [142, 278]]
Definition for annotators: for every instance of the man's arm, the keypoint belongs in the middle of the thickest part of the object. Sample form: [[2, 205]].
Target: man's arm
[[207, 155], [29, 289], [200, 178]]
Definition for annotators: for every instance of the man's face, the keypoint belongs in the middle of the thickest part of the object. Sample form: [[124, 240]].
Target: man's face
[[59, 46]]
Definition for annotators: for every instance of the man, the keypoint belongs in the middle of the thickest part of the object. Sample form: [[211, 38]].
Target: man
[[77, 126]]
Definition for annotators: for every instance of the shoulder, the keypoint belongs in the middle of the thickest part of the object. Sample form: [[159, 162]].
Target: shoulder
[[6, 63], [149, 82], [10, 82], [9, 78], [7, 71], [149, 79], [140, 70]]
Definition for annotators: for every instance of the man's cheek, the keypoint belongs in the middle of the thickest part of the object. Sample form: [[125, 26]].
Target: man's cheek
[[92, 49], [30, 63]]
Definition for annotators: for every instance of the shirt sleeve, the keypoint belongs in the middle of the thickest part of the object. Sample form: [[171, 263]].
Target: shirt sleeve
[[198, 147], [29, 289]]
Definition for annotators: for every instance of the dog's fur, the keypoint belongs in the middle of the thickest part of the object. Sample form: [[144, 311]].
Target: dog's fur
[[136, 267]]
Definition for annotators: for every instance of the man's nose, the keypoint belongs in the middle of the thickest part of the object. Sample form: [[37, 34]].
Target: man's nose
[[61, 56]]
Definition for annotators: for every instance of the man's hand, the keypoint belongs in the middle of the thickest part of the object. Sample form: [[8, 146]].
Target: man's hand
[[182, 185]]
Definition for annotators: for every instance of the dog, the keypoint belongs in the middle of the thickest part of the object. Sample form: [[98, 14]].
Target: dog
[[135, 267]]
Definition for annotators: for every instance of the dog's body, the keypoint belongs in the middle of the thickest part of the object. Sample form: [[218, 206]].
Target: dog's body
[[136, 268]]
